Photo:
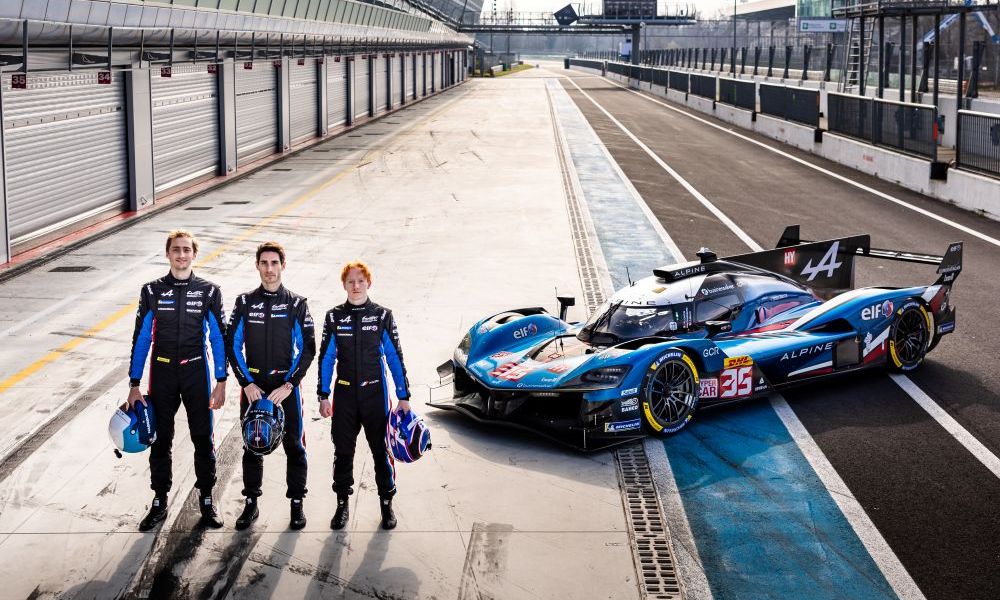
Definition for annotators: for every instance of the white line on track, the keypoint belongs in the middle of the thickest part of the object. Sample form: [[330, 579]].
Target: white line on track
[[815, 167], [869, 535]]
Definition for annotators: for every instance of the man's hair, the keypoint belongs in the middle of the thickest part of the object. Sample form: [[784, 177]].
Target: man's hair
[[357, 264], [182, 233], [271, 247]]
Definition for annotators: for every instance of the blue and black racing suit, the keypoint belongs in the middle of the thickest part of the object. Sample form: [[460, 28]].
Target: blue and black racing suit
[[271, 342], [174, 318], [358, 338]]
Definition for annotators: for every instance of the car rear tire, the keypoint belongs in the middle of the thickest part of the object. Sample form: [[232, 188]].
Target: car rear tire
[[669, 393], [909, 338]]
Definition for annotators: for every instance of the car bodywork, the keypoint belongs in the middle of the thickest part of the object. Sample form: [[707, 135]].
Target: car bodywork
[[744, 325]]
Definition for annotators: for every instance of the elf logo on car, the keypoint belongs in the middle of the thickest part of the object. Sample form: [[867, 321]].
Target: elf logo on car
[[829, 263], [878, 311], [525, 331], [709, 388], [737, 361], [789, 258]]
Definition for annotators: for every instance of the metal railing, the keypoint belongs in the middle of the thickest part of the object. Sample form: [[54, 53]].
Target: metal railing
[[903, 126], [587, 64], [738, 93], [703, 85], [678, 81], [790, 103], [978, 145]]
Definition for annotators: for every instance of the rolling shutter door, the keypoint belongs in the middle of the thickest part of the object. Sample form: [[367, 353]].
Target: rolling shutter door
[[397, 79], [305, 100], [381, 64], [256, 112], [185, 125], [65, 143], [410, 66], [336, 92], [361, 89]]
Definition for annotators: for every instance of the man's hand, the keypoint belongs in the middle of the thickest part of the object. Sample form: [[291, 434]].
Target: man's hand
[[253, 393], [278, 394], [218, 398], [403, 405], [325, 408], [134, 395]]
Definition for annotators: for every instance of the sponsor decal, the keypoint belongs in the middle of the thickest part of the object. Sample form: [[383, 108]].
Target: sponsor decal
[[195, 303], [627, 402], [682, 273], [279, 316], [882, 310], [501, 354], [713, 351], [162, 359], [946, 327], [256, 315], [626, 409], [167, 294], [622, 426], [789, 258], [868, 339], [277, 371], [167, 301], [253, 370], [187, 360], [195, 294], [548, 380], [558, 369], [367, 383], [807, 351], [737, 361], [526, 331], [649, 417], [709, 388], [279, 307], [258, 306], [369, 328], [717, 290], [370, 319], [346, 319], [736, 382], [510, 371], [196, 311], [761, 385], [630, 391], [828, 265]]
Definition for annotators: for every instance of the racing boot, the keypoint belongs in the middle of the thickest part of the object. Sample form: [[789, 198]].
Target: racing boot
[[298, 520], [388, 517], [249, 515], [343, 513], [157, 512], [209, 516]]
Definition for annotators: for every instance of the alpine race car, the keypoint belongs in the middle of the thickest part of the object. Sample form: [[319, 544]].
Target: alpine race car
[[695, 335]]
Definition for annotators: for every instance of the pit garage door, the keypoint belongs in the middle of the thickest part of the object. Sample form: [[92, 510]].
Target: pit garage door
[[65, 146], [362, 78], [304, 99], [185, 125], [256, 111], [381, 65], [397, 79], [336, 91]]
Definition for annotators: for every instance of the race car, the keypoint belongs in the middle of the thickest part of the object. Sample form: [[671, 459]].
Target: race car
[[695, 335]]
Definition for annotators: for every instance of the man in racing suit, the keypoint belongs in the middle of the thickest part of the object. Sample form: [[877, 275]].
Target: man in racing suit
[[358, 336], [175, 313], [274, 327]]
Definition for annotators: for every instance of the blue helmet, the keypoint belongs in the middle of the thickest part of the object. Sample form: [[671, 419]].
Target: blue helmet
[[133, 429], [263, 426], [409, 436]]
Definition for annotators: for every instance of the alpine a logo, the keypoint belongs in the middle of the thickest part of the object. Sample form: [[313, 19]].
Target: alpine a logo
[[167, 294], [258, 306], [828, 265], [346, 319]]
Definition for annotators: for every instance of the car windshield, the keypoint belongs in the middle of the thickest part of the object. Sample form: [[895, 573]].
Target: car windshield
[[617, 322]]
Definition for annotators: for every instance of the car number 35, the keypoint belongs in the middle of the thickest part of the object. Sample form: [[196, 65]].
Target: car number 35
[[736, 383]]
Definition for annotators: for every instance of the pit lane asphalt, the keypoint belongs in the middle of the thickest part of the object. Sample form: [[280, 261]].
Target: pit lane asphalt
[[929, 497]]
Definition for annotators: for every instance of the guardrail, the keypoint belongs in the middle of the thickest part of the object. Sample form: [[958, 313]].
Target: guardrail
[[738, 93], [903, 126], [978, 145], [679, 81], [703, 85], [790, 103], [587, 64]]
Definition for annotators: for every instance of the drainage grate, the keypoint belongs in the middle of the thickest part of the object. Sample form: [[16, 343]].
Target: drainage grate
[[647, 527], [71, 269], [198, 208]]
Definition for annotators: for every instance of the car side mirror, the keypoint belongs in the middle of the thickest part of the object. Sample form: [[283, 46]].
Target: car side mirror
[[564, 303], [713, 328]]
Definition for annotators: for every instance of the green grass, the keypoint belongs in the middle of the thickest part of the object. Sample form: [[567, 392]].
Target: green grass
[[516, 69]]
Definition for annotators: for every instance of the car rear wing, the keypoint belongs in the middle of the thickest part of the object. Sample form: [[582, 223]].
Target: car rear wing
[[828, 265]]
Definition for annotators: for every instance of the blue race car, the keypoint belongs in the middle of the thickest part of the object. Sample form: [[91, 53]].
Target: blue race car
[[695, 335]]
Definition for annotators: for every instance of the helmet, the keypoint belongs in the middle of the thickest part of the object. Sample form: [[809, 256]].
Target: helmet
[[133, 429], [263, 425], [409, 436]]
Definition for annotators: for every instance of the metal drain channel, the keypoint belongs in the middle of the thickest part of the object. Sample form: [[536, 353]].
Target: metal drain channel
[[647, 526], [650, 540]]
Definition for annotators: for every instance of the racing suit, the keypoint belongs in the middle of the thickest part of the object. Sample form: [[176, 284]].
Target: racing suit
[[357, 338], [271, 341], [173, 319]]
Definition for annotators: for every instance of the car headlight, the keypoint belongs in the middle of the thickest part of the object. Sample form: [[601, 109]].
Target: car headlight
[[462, 352], [606, 376]]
